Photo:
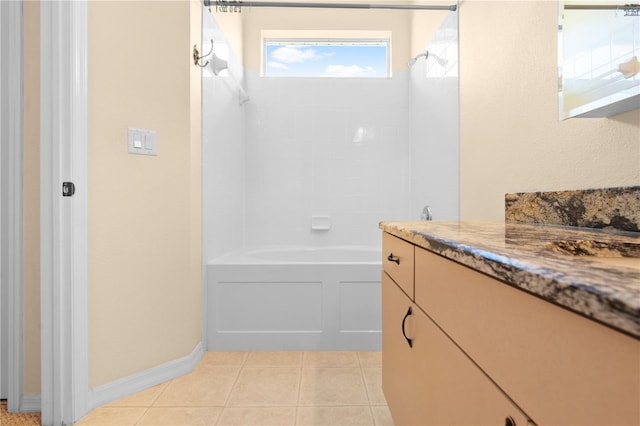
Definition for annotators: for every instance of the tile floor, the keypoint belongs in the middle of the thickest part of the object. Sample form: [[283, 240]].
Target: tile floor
[[261, 388]]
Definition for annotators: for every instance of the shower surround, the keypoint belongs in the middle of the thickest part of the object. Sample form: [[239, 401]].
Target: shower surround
[[335, 147], [355, 151]]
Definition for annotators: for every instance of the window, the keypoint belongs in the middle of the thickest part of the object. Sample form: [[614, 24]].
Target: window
[[326, 57]]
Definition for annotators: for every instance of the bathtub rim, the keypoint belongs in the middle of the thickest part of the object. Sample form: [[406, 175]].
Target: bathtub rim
[[252, 256]]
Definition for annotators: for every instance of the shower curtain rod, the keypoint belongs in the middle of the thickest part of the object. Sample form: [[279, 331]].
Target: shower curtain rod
[[600, 6], [243, 3]]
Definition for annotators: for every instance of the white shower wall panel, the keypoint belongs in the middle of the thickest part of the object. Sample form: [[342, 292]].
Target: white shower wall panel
[[327, 147], [434, 101], [223, 152]]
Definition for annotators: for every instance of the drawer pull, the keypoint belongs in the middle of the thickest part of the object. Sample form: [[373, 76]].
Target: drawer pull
[[409, 341], [390, 258], [509, 421]]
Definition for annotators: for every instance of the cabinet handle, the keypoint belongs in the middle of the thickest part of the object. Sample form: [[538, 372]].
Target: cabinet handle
[[393, 259], [409, 341], [508, 421]]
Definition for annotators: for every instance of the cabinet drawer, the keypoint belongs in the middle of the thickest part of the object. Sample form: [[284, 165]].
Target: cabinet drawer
[[561, 368], [397, 261]]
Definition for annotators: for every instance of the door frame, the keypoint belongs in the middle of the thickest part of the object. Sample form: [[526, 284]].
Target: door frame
[[11, 209], [63, 220]]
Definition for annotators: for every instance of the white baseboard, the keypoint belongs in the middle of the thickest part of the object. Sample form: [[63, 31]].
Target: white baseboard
[[126, 386], [30, 404]]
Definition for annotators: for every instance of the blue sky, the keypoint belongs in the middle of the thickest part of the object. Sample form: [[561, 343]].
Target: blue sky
[[325, 60]]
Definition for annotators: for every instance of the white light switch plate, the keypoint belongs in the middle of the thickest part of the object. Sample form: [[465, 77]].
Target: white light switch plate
[[142, 141]]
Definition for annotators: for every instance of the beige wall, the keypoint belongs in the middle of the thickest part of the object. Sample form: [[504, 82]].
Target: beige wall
[[231, 24], [510, 137], [424, 24], [194, 329], [144, 212], [31, 198], [257, 19]]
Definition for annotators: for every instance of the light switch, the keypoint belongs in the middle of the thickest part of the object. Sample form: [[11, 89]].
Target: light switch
[[142, 141], [137, 140]]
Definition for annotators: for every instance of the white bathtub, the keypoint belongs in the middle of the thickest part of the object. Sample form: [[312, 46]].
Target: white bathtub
[[295, 298]]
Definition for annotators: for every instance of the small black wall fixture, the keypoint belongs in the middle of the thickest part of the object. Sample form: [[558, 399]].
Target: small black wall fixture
[[68, 189]]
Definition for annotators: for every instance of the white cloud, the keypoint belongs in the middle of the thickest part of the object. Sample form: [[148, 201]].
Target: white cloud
[[348, 71], [292, 54], [277, 65]]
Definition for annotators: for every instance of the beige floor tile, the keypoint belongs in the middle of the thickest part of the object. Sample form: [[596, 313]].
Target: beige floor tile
[[330, 359], [172, 416], [265, 386], [334, 416], [381, 415], [206, 388], [262, 416], [332, 386], [370, 359], [121, 416], [140, 399], [373, 384], [221, 358], [274, 359]]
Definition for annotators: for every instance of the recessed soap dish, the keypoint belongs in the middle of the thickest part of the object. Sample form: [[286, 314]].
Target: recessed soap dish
[[320, 223]]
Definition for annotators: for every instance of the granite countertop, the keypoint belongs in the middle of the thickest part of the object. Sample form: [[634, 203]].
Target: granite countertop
[[606, 290]]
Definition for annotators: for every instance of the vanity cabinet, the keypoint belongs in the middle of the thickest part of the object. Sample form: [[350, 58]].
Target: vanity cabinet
[[483, 352]]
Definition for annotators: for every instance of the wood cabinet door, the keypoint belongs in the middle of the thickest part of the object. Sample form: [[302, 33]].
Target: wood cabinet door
[[399, 380], [433, 382]]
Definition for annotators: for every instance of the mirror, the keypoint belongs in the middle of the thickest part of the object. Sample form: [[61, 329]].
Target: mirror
[[598, 58]]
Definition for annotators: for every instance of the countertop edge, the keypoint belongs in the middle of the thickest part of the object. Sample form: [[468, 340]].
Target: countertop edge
[[547, 284]]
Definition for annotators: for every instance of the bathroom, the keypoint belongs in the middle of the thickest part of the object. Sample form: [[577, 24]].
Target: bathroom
[[302, 170], [146, 302]]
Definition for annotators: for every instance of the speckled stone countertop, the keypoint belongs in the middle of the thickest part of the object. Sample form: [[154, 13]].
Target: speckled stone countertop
[[606, 290], [600, 208]]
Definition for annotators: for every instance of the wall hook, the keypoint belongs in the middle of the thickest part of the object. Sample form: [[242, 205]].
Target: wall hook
[[197, 59]]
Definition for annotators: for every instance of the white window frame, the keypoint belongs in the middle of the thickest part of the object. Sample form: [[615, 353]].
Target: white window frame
[[316, 37]]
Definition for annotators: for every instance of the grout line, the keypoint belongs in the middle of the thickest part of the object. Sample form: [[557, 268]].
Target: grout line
[[366, 388], [247, 354], [141, 417], [300, 371], [165, 387], [240, 370]]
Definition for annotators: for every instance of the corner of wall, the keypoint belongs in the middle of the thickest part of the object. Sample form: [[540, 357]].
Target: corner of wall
[[144, 211]]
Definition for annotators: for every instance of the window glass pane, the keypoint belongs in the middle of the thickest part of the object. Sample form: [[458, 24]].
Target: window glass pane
[[326, 58]]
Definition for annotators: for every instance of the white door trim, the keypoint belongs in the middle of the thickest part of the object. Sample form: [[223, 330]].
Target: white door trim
[[63, 220], [12, 195], [4, 305]]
